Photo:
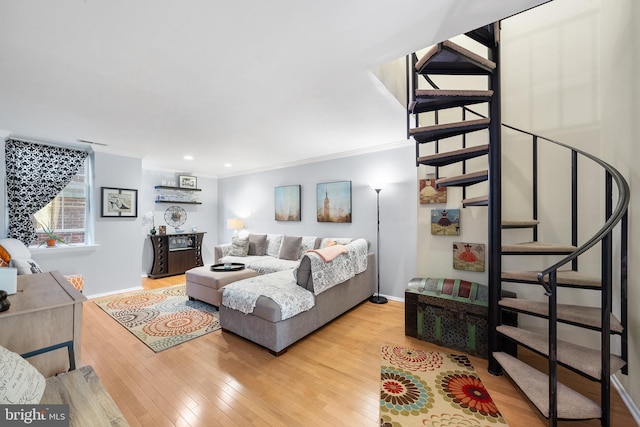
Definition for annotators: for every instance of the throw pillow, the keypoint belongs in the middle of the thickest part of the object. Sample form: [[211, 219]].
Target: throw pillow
[[239, 246], [257, 244], [274, 241], [27, 266], [5, 258], [290, 248], [20, 382]]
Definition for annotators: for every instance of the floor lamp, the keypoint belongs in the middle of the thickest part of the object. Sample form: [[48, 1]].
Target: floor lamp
[[377, 299]]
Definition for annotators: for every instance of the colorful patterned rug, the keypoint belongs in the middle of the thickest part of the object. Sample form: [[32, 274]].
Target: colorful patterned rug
[[161, 318], [426, 388]]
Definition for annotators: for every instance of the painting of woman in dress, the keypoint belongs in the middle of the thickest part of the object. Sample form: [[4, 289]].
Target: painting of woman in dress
[[445, 222], [430, 194], [468, 256]]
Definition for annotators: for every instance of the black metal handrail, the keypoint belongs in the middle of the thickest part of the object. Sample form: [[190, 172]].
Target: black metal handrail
[[621, 208], [604, 235]]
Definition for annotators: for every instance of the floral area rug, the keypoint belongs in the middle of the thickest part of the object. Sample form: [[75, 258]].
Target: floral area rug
[[161, 318], [425, 388]]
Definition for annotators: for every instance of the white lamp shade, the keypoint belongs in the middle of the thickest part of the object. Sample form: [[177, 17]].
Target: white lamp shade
[[9, 280], [235, 224]]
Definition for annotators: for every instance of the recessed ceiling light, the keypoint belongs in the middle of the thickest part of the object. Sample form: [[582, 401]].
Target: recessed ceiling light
[[227, 165], [187, 157]]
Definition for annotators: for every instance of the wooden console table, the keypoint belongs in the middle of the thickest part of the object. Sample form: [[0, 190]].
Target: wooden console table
[[175, 253], [46, 310]]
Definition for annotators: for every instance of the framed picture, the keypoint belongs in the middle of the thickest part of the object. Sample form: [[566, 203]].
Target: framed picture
[[468, 256], [119, 202], [187, 181], [287, 203], [445, 222], [430, 194], [334, 201]]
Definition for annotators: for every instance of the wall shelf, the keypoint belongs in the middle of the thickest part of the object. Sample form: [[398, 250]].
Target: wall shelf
[[179, 202], [172, 194], [167, 187]]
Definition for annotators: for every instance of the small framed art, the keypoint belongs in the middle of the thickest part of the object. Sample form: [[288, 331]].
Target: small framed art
[[430, 194], [287, 203], [468, 256], [445, 222], [334, 201], [119, 202], [187, 181]]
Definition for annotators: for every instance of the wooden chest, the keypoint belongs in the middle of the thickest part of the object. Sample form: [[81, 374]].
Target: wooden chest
[[452, 313]]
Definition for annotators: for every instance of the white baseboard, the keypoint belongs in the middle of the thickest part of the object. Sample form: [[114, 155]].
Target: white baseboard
[[119, 291], [629, 403]]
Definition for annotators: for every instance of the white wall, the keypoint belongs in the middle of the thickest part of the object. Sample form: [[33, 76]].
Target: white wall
[[620, 110], [251, 197], [570, 72], [115, 265]]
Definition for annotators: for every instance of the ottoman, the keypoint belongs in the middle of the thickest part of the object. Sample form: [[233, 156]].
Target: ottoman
[[206, 285]]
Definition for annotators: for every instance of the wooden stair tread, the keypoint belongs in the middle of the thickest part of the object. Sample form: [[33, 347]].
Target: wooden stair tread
[[449, 58], [540, 248], [487, 35], [431, 100], [535, 384], [476, 201], [449, 157], [579, 315], [511, 223], [565, 278], [582, 359], [463, 180], [440, 131]]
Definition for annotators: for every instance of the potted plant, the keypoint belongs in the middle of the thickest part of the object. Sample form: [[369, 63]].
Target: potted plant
[[52, 237]]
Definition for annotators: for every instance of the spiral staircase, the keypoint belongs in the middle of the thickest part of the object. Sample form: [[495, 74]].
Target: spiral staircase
[[554, 400]]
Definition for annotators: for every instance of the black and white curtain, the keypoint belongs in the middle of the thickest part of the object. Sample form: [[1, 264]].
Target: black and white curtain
[[36, 173]]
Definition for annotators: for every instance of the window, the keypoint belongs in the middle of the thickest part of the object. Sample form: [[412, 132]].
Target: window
[[67, 214]]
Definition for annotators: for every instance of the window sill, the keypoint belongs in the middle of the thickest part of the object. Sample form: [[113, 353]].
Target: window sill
[[63, 249]]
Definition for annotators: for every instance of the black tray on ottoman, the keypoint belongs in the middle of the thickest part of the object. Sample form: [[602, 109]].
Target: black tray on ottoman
[[229, 266]]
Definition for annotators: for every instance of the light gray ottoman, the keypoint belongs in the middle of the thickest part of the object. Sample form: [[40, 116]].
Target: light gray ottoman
[[206, 285]]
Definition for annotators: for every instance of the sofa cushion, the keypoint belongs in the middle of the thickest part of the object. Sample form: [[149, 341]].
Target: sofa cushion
[[308, 243], [239, 246], [257, 244], [290, 247], [20, 382], [274, 241]]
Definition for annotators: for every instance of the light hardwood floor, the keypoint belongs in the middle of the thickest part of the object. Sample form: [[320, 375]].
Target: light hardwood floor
[[329, 378]]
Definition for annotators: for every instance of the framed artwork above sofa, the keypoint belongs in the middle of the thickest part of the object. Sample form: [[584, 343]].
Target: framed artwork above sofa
[[334, 201], [287, 203]]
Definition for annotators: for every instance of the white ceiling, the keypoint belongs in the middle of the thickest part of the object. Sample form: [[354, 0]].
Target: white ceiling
[[253, 83]]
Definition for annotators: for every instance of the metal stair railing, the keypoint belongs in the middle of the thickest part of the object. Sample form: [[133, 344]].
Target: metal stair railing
[[604, 235]]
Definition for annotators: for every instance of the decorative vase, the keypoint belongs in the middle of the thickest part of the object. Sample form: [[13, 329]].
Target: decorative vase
[[152, 231]]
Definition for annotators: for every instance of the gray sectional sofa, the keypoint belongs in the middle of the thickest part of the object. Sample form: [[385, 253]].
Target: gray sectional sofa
[[295, 291]]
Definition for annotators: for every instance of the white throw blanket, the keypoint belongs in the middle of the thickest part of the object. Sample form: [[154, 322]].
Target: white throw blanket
[[281, 287], [342, 268]]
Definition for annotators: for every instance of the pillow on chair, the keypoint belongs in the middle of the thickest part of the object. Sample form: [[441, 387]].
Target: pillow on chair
[[20, 382], [5, 258], [20, 256]]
